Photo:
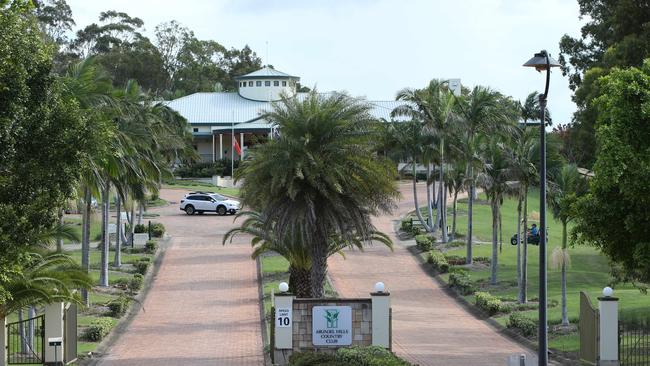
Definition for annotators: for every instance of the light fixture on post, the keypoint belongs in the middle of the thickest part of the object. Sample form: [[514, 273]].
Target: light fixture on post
[[542, 61]]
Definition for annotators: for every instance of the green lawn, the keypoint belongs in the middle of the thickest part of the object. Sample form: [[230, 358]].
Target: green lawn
[[95, 227], [201, 186], [589, 269]]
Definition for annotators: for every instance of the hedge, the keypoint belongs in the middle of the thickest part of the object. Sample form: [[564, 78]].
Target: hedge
[[150, 246], [460, 280], [438, 260], [98, 329], [424, 242], [157, 230], [488, 303], [527, 326], [119, 306], [352, 356]]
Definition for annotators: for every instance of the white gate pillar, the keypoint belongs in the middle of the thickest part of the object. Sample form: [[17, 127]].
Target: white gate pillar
[[3, 342], [54, 329], [283, 335], [608, 308], [380, 316]]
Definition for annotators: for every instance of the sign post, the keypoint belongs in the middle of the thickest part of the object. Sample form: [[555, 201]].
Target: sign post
[[332, 325]]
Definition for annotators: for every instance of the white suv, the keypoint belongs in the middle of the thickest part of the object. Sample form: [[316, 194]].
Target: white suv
[[200, 202]]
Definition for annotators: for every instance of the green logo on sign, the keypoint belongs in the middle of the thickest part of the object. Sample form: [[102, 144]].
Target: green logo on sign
[[332, 317]]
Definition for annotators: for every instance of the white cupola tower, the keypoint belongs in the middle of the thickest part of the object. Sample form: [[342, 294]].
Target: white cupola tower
[[266, 85]]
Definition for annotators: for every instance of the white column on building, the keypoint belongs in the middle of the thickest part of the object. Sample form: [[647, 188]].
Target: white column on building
[[220, 146], [213, 148], [241, 140], [54, 329]]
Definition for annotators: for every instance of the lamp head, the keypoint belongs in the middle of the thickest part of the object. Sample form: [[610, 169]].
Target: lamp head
[[540, 63], [380, 287], [608, 292], [284, 287]]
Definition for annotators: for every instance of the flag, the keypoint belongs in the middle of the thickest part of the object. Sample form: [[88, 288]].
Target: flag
[[236, 146]]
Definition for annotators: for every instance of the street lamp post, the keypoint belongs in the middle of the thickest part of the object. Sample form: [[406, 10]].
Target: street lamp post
[[542, 61]]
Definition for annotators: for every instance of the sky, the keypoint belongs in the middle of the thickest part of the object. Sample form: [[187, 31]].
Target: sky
[[374, 48]]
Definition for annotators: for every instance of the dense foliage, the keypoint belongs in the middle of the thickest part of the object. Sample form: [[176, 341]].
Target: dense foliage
[[352, 356], [614, 215]]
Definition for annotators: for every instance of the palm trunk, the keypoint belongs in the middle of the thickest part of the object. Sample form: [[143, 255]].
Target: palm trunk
[[117, 262], [519, 247], [300, 282], [59, 241], [103, 275], [140, 209], [417, 205], [132, 224], [453, 215], [565, 315], [495, 228], [500, 233], [85, 241], [318, 267], [470, 206], [429, 202], [443, 210], [524, 259]]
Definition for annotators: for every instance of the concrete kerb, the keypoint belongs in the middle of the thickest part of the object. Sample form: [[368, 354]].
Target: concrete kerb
[[260, 293], [137, 305]]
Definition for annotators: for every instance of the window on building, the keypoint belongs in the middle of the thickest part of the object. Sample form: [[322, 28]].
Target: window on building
[[242, 84], [267, 83], [276, 83], [258, 83], [250, 83], [195, 129], [284, 83]]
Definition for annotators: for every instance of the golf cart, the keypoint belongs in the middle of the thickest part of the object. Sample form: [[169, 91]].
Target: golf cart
[[532, 239]]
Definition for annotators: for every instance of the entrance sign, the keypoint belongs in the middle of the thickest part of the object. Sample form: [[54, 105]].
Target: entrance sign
[[283, 317], [332, 325]]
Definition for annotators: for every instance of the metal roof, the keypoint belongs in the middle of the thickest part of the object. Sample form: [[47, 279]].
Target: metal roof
[[228, 107], [267, 72]]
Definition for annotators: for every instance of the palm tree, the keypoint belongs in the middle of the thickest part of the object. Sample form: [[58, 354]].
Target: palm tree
[[482, 115], [494, 180], [320, 179], [433, 106], [408, 142], [292, 249], [44, 279], [566, 186]]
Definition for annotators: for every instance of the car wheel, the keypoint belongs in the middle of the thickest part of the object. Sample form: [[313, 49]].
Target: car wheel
[[513, 240], [189, 209], [221, 210]]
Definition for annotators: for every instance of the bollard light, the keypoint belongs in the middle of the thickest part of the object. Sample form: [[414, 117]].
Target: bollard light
[[284, 287], [380, 287], [608, 291]]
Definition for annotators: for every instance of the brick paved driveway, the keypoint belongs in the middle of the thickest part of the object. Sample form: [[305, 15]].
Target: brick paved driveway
[[203, 308], [429, 327]]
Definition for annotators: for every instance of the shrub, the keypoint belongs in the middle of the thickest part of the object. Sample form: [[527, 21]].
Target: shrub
[[527, 326], [488, 303], [157, 230], [139, 229], [438, 260], [487, 260], [455, 260], [424, 242], [460, 280], [119, 306], [150, 246], [142, 266], [407, 227], [98, 329], [368, 356], [312, 358], [136, 282]]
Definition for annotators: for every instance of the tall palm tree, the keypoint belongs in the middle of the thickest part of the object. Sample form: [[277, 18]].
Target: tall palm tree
[[565, 188], [434, 107], [408, 142], [482, 115], [494, 180], [320, 178], [292, 249]]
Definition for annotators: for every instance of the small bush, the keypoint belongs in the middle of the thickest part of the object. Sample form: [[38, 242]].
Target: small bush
[[119, 306], [139, 229], [312, 358], [424, 242], [486, 260], [527, 326], [460, 280], [438, 260], [136, 282], [407, 227], [151, 246], [368, 356], [98, 329], [488, 303], [455, 260], [141, 267], [157, 230]]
